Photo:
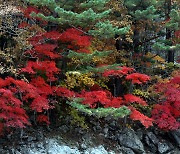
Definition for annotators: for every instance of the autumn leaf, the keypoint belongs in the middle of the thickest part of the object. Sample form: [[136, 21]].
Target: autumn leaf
[[136, 115]]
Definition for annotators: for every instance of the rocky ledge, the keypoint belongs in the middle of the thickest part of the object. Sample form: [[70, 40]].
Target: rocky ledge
[[107, 139]]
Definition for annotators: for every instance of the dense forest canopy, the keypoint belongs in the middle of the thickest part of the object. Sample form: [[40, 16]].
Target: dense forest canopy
[[98, 58]]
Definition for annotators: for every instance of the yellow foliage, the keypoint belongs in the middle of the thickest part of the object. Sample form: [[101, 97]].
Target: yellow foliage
[[159, 79], [99, 60], [74, 61], [155, 57], [102, 45], [160, 66], [159, 59], [102, 82], [76, 79], [138, 92], [123, 20]]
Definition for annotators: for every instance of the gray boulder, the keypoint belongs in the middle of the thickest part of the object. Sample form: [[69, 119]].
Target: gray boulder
[[176, 136], [127, 150], [164, 147], [129, 139]]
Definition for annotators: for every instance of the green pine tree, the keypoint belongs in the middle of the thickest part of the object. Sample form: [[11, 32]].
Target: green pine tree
[[81, 14], [149, 30]]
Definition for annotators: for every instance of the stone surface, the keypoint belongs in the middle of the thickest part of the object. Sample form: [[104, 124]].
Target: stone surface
[[127, 151], [139, 133], [98, 150], [105, 131], [56, 146], [163, 147], [39, 136], [31, 138], [72, 142], [129, 139], [151, 145], [175, 151], [176, 136], [152, 137], [83, 146], [64, 128], [97, 128], [152, 141]]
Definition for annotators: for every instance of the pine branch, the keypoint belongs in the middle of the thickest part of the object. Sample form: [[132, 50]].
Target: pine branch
[[99, 112]]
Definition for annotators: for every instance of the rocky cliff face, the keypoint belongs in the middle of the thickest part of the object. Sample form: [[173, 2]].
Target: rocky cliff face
[[106, 139]]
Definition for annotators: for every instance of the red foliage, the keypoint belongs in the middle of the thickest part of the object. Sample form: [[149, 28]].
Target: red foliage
[[63, 92], [164, 118], [48, 67], [29, 10], [95, 87], [177, 34], [93, 97], [20, 86], [175, 80], [166, 114], [120, 72], [43, 87], [43, 119], [136, 115], [138, 78], [129, 98], [116, 102], [40, 103], [75, 39], [11, 112], [27, 13], [38, 92], [129, 75], [52, 35], [23, 25], [45, 50], [13, 95], [36, 39]]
